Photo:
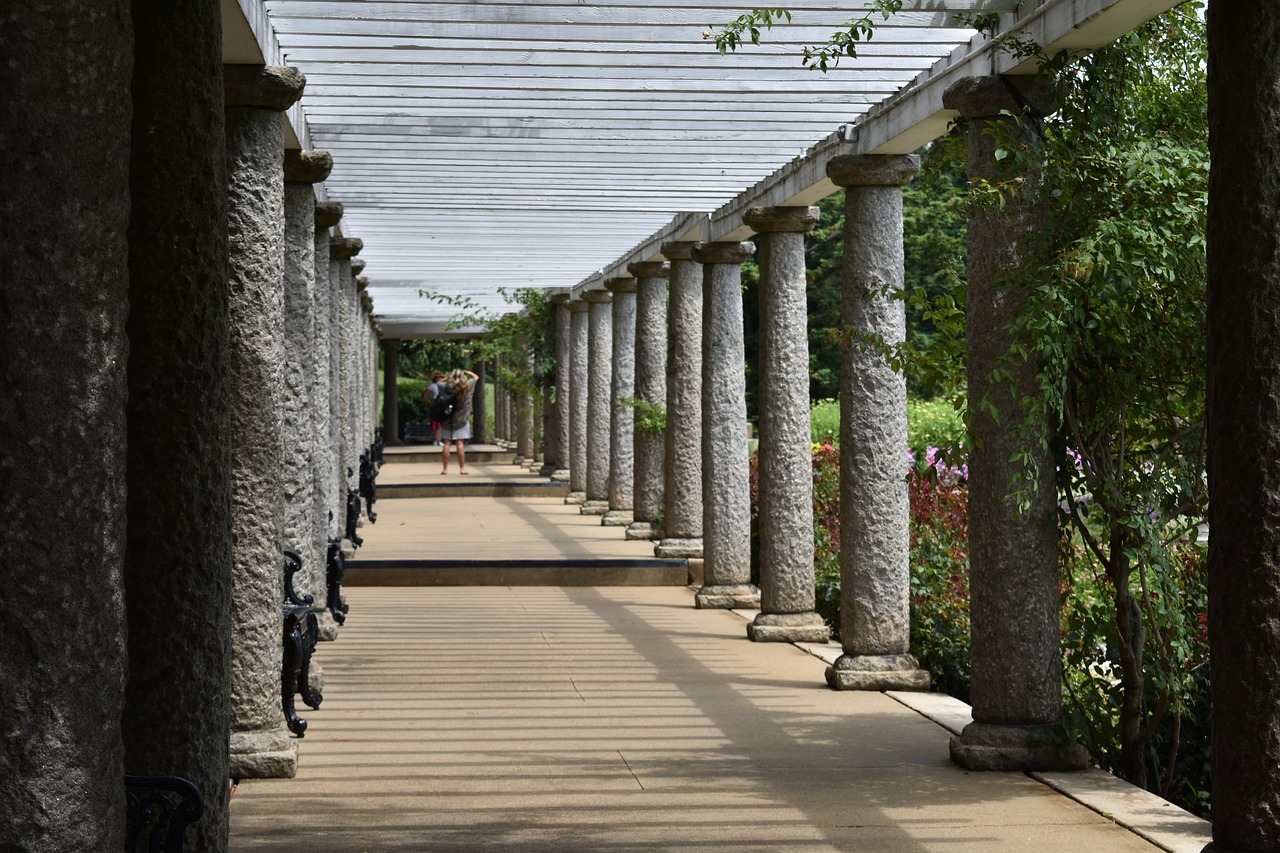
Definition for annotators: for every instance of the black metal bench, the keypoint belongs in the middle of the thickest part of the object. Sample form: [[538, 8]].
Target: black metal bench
[[301, 631], [159, 810]]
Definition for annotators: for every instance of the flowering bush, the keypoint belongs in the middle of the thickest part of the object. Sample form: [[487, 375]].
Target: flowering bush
[[939, 495]]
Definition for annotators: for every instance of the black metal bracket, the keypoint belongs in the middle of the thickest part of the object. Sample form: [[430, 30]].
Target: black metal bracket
[[158, 811]]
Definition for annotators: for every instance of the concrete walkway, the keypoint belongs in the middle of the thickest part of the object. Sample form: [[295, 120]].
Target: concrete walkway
[[620, 718]]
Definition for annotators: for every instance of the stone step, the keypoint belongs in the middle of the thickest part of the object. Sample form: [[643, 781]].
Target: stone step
[[490, 572], [427, 453], [460, 487]]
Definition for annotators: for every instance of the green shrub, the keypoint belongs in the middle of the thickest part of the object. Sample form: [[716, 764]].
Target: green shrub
[[934, 423], [824, 422], [930, 423]]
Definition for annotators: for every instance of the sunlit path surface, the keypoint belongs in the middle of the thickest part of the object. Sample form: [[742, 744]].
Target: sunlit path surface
[[588, 719]]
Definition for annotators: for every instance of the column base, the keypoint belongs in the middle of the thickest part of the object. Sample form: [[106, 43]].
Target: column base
[[642, 530], [877, 672], [546, 471], [617, 518], [327, 626], [738, 596], [983, 746], [788, 628], [263, 755], [595, 507], [560, 475], [518, 461], [678, 548], [575, 498], [315, 679]]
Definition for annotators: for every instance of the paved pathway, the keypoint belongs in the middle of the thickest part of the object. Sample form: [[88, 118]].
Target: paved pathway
[[622, 719]]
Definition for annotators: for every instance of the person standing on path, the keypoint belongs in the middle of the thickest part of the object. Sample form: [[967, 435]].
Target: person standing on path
[[457, 427]]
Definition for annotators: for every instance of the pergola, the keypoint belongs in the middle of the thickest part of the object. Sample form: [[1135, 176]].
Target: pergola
[[497, 144], [188, 353]]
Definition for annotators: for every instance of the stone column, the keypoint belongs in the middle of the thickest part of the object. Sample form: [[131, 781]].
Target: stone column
[[787, 596], [1013, 565], [546, 453], [599, 379], [299, 439], [341, 251], [1244, 429], [563, 389], [480, 407], [682, 526], [65, 290], [391, 394], [255, 99], [327, 514], [355, 359], [497, 401], [524, 410], [726, 502], [621, 418], [178, 476], [651, 387], [875, 540], [579, 327]]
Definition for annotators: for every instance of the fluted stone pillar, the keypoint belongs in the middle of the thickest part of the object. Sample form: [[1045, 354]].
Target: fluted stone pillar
[[255, 98], [726, 499], [341, 251], [390, 393], [599, 379], [65, 292], [622, 418], [1013, 566], [875, 538], [563, 387], [299, 439], [327, 511], [480, 407], [1244, 429], [579, 340], [178, 476], [682, 442], [787, 593], [651, 387]]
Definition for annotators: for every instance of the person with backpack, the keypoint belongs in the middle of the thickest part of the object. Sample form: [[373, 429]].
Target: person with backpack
[[429, 395], [453, 405]]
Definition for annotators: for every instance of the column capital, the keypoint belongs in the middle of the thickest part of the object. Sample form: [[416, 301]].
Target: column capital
[[872, 170], [342, 248], [577, 306], [986, 97], [307, 167], [272, 87], [766, 220], [362, 282], [681, 250], [366, 301], [328, 213], [621, 284], [597, 296], [559, 298], [722, 253], [357, 265], [649, 269]]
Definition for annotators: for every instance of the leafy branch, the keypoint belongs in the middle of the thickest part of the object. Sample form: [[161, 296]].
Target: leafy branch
[[821, 57]]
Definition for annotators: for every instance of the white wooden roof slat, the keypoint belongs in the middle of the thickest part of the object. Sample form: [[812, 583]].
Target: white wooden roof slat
[[481, 144]]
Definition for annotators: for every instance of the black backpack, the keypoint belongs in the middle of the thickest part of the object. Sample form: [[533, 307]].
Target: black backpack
[[443, 405]]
